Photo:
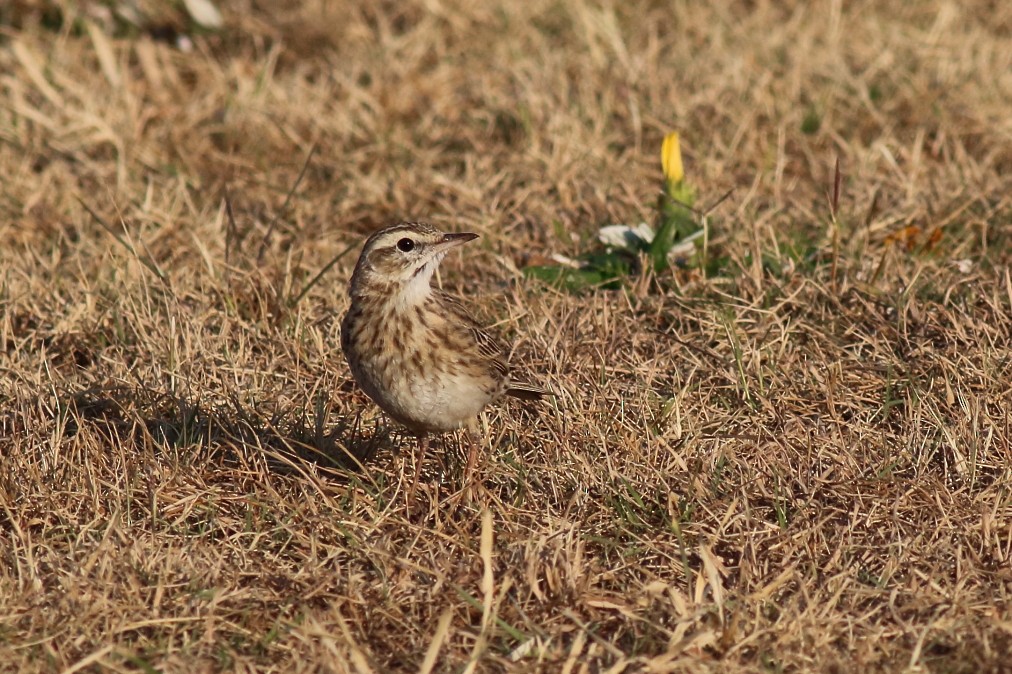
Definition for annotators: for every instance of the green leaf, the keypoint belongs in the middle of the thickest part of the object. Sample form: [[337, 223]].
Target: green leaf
[[812, 122]]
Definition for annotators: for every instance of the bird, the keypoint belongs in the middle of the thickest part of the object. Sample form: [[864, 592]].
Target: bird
[[415, 350]]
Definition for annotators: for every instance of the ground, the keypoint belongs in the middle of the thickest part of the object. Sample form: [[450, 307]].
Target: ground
[[790, 454]]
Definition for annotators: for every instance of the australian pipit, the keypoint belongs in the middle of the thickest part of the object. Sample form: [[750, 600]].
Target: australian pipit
[[414, 349]]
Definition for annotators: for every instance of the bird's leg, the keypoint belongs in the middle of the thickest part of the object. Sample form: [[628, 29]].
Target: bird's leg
[[472, 456], [468, 476], [471, 436], [423, 446]]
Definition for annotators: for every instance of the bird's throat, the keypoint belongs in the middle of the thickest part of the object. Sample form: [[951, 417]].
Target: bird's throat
[[418, 288]]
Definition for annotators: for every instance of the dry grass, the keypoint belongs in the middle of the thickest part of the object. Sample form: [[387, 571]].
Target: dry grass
[[799, 462]]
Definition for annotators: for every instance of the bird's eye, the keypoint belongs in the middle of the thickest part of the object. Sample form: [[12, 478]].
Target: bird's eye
[[405, 245]]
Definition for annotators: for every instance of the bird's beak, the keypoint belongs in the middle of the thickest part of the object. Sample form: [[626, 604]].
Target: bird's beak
[[453, 240]]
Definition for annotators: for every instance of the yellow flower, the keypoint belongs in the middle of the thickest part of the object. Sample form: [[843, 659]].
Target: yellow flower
[[671, 158]]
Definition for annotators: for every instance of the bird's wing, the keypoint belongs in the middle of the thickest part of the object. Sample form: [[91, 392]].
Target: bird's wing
[[488, 346], [491, 349]]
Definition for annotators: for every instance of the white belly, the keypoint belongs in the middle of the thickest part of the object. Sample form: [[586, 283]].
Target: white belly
[[447, 404], [431, 404]]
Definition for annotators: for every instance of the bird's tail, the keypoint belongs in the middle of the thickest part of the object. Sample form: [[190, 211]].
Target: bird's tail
[[526, 391]]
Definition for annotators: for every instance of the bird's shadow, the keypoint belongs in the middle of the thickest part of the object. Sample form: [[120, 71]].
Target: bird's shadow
[[286, 441]]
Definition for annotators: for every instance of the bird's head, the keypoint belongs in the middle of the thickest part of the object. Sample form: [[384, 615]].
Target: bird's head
[[404, 257]]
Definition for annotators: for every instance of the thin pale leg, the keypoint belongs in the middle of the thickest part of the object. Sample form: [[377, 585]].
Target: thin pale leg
[[471, 436], [423, 446], [472, 456], [468, 476]]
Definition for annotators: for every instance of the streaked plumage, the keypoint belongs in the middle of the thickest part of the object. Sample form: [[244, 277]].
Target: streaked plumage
[[414, 350]]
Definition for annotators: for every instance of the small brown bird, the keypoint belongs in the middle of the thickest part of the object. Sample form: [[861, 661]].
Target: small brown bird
[[414, 349]]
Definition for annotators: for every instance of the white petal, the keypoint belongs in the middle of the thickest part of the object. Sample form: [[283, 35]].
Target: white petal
[[204, 13], [624, 236]]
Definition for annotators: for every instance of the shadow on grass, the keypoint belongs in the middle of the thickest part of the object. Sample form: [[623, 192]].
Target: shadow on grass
[[286, 441]]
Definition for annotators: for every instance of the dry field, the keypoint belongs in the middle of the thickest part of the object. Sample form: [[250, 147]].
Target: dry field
[[796, 458]]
